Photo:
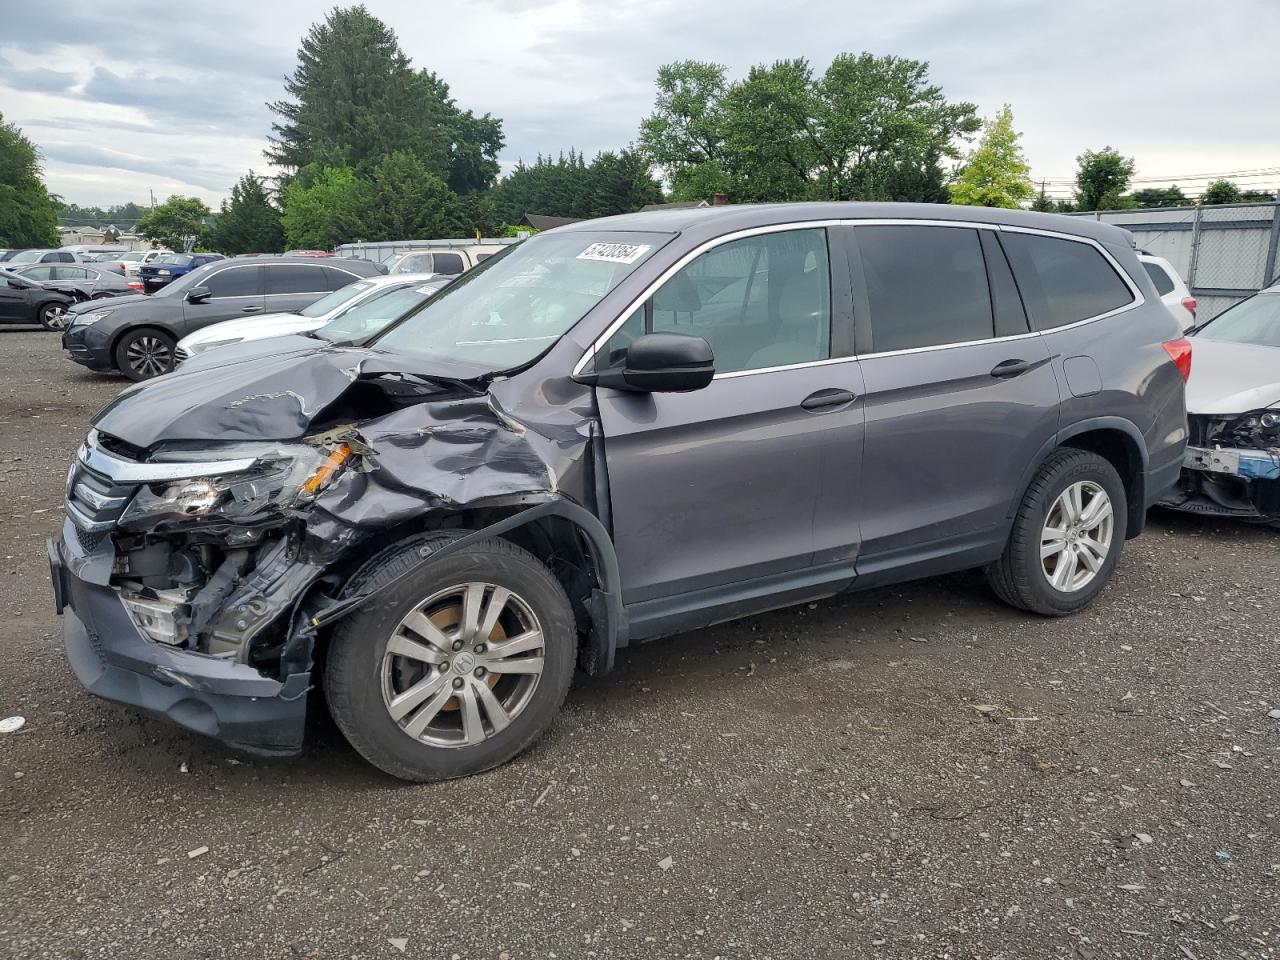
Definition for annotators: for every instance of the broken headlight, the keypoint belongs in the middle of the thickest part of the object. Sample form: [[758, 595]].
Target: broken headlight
[[282, 476]]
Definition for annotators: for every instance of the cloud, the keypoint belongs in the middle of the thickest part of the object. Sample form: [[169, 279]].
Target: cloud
[[35, 80], [184, 104], [182, 169]]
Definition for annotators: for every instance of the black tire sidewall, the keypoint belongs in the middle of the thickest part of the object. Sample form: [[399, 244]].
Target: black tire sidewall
[[122, 348], [353, 683], [1058, 475]]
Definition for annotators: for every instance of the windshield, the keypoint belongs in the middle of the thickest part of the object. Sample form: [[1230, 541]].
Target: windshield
[[372, 315], [181, 259], [1256, 321], [26, 256], [511, 308], [326, 305]]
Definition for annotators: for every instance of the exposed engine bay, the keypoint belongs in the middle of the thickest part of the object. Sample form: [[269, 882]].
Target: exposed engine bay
[[230, 547]]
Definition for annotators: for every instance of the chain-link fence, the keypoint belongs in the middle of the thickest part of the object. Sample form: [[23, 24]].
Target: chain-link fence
[[1224, 253]]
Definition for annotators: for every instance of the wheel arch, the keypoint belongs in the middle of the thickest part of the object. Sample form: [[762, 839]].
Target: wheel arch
[[568, 538], [1119, 442]]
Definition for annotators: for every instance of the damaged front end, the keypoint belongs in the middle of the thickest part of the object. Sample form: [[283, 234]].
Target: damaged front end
[[1231, 467], [214, 518]]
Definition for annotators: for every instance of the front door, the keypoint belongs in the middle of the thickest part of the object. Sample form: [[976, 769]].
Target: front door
[[15, 303], [960, 395], [235, 292], [722, 485]]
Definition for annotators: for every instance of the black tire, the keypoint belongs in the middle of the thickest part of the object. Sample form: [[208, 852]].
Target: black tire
[[51, 315], [353, 678], [145, 353], [1018, 577]]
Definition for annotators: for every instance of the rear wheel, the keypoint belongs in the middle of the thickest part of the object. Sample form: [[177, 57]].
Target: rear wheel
[[52, 316], [143, 354], [458, 668], [1066, 537]]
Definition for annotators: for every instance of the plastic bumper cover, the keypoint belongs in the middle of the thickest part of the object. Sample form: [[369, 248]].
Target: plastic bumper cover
[[231, 702]]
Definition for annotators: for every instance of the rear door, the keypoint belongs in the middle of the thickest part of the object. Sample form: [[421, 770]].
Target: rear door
[[292, 286], [722, 485], [960, 394], [236, 291]]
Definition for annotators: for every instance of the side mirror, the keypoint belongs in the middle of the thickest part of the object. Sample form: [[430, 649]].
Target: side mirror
[[662, 363], [198, 294]]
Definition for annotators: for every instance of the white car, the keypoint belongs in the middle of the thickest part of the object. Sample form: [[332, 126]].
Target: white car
[[364, 303], [131, 262], [1232, 464], [1173, 292]]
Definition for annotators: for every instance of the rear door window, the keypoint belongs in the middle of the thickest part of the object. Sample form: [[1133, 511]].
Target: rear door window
[[234, 282], [295, 278], [336, 279], [926, 286], [1164, 285], [1063, 281]]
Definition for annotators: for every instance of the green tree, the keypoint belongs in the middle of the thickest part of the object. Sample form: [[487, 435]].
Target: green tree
[[1221, 191], [684, 136], [401, 200], [1102, 178], [1257, 196], [568, 186], [28, 214], [178, 223], [621, 183], [1043, 203], [1160, 197], [247, 222], [319, 208], [868, 128], [354, 98], [996, 174]]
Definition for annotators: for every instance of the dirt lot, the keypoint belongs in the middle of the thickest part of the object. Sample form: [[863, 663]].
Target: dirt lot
[[811, 783]]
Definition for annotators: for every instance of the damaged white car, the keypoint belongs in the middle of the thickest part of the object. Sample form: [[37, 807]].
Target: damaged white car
[[1232, 462]]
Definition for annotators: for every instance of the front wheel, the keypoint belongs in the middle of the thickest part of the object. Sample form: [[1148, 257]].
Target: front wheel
[[52, 316], [1066, 537], [143, 354], [456, 669]]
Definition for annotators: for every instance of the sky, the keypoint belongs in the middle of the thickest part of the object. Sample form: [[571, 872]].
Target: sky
[[126, 103]]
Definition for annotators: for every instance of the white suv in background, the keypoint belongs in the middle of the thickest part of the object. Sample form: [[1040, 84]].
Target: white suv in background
[[1173, 292]]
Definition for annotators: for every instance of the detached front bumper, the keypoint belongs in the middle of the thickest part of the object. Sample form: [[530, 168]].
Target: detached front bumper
[[1228, 482], [231, 702]]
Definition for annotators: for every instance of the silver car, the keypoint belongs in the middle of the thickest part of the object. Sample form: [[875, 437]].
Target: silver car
[[89, 281]]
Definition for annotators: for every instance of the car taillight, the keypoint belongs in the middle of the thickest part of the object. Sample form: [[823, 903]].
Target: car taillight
[[1179, 352], [1190, 304]]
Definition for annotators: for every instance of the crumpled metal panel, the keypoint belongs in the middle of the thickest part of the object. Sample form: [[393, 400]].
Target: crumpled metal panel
[[514, 443]]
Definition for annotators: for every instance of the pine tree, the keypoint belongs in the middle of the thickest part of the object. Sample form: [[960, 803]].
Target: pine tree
[[247, 222], [996, 172]]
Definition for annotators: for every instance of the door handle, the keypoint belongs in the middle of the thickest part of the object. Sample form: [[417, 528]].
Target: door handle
[[250, 309], [1010, 368], [831, 397]]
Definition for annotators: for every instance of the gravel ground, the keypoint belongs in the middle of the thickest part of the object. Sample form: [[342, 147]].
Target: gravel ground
[[828, 781]]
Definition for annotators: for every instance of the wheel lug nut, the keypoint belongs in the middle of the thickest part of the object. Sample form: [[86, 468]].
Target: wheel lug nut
[[480, 648], [444, 667], [479, 671], [457, 644], [457, 683]]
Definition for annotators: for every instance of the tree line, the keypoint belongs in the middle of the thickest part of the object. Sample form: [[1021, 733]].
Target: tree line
[[368, 147]]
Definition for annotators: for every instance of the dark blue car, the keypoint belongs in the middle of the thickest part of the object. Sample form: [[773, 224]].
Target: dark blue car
[[167, 269]]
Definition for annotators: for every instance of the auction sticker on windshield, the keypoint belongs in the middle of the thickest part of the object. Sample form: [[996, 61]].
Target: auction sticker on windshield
[[615, 252]]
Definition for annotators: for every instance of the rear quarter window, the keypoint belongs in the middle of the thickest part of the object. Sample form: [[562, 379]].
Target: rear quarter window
[[1063, 281], [1164, 284]]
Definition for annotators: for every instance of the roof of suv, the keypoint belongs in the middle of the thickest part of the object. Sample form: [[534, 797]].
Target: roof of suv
[[730, 217]]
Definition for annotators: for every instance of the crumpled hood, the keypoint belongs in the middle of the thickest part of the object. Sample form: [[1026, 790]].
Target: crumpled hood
[[1231, 378], [264, 397]]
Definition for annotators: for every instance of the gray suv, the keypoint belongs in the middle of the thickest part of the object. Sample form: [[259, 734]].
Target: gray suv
[[136, 335], [615, 431]]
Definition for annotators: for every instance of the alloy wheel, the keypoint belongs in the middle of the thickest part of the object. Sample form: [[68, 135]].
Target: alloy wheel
[[1076, 538], [149, 356], [55, 316], [462, 665]]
